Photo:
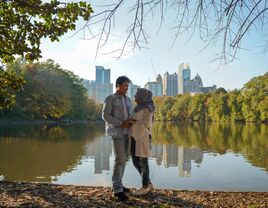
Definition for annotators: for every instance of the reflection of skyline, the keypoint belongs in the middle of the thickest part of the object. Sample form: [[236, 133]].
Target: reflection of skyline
[[170, 155], [185, 157], [100, 150], [157, 152], [173, 156]]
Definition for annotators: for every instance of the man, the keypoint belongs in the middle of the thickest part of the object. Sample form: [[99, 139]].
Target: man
[[116, 112]]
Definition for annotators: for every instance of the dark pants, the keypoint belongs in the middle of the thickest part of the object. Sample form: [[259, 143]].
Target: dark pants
[[141, 164]]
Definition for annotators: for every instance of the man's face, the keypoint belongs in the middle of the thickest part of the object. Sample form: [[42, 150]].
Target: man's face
[[123, 88]]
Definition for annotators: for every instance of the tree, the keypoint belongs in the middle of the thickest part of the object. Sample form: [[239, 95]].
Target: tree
[[45, 93], [197, 108], [255, 94], [220, 90], [164, 105], [218, 108], [10, 84], [51, 93], [224, 21], [235, 102], [180, 108], [25, 23]]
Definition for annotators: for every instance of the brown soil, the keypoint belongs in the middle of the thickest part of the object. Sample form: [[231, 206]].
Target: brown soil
[[15, 194]]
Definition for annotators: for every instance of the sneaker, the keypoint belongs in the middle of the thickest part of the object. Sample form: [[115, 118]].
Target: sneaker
[[120, 196], [126, 190], [150, 187], [140, 191]]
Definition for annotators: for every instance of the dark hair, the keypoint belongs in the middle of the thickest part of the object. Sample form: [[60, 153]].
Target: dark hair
[[120, 80]]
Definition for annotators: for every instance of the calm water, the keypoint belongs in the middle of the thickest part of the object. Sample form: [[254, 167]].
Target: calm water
[[193, 156]]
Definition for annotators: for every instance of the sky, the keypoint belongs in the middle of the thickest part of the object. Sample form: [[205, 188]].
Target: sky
[[78, 55]]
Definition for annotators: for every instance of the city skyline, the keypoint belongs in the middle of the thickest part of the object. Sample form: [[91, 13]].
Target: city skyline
[[166, 155], [102, 76], [166, 85]]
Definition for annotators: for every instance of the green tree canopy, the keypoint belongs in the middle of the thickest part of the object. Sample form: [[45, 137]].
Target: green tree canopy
[[24, 23], [247, 104], [50, 92]]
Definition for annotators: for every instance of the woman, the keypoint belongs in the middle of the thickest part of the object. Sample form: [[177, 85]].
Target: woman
[[140, 135]]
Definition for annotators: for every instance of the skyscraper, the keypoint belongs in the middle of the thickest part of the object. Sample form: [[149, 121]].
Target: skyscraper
[[184, 74], [193, 85], [103, 76], [132, 89], [101, 87], [170, 84], [188, 85], [155, 87]]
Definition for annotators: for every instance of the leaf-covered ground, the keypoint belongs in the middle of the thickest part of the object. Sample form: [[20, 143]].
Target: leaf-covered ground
[[13, 194]]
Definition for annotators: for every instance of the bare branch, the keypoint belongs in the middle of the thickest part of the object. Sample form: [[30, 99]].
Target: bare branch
[[217, 22]]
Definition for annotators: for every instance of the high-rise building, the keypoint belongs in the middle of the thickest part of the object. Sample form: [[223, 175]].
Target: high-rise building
[[184, 74], [155, 87], [209, 89], [170, 84], [103, 91], [193, 85], [103, 76], [159, 79], [188, 85], [90, 85], [132, 89], [101, 87], [98, 92]]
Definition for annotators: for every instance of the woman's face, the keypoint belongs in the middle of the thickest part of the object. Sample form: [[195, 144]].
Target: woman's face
[[136, 99]]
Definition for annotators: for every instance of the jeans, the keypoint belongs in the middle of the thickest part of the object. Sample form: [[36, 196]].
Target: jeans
[[141, 164], [120, 148]]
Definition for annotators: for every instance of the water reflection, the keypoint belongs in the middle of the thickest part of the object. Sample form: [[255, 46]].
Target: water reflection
[[100, 150], [40, 153], [45, 153], [251, 140], [173, 156]]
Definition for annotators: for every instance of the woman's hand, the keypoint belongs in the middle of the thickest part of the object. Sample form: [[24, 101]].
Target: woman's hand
[[132, 121]]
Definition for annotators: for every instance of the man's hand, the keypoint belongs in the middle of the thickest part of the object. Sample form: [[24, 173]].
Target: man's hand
[[127, 123]]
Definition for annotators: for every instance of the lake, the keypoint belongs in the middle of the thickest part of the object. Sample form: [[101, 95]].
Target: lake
[[215, 156]]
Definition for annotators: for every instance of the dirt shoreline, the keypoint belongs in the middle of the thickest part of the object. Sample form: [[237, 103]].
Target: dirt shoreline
[[22, 194], [15, 122]]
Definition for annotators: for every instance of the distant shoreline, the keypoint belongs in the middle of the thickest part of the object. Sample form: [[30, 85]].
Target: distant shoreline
[[25, 194], [43, 122], [4, 122]]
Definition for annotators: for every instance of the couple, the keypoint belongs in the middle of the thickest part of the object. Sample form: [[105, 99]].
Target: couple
[[131, 134]]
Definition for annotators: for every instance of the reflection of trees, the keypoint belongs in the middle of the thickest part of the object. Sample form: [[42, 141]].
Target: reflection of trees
[[248, 139], [29, 152], [255, 147]]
